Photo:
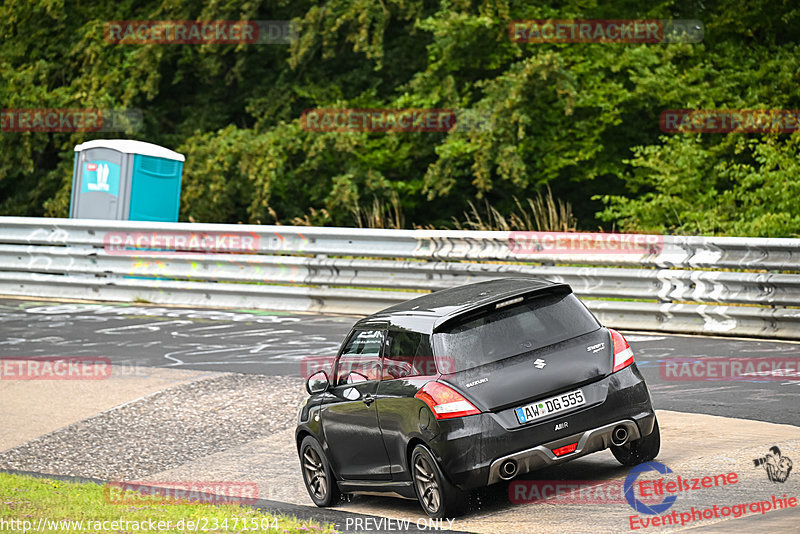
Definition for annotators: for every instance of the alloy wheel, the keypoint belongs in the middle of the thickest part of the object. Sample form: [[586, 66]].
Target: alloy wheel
[[427, 487], [314, 471]]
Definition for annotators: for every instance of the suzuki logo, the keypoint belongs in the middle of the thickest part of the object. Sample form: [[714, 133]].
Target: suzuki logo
[[479, 381], [539, 363]]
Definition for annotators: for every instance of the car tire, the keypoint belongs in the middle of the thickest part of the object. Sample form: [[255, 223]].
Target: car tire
[[317, 474], [437, 496], [639, 450]]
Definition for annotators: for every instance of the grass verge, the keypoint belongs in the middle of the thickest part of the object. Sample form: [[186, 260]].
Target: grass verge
[[29, 504]]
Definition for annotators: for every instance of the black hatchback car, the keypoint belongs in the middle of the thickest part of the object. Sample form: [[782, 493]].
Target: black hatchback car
[[467, 387]]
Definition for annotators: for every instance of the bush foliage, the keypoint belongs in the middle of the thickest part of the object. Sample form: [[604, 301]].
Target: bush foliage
[[581, 118]]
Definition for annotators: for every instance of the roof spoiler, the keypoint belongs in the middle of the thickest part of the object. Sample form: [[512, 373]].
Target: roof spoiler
[[510, 298]]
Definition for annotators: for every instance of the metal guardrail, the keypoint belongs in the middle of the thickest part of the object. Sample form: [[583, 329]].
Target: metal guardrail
[[736, 286]]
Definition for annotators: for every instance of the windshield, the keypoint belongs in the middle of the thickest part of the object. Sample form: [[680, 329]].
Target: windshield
[[497, 334]]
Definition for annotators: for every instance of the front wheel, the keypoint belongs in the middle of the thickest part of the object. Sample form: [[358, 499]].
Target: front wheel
[[317, 474], [438, 497], [639, 450]]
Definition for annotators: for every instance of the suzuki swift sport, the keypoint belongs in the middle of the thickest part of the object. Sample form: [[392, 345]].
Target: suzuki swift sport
[[467, 387]]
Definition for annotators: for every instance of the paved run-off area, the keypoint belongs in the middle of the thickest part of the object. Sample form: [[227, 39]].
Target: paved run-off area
[[166, 425], [204, 394]]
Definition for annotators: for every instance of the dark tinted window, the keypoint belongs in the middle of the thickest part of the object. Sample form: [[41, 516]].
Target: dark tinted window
[[507, 331], [361, 358], [408, 354]]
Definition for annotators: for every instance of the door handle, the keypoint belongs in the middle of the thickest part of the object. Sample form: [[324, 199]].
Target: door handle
[[368, 399]]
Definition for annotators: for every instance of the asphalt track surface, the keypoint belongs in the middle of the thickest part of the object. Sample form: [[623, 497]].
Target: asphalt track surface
[[183, 341], [269, 343]]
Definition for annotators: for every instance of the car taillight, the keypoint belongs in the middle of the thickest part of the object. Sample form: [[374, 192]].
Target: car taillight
[[445, 402], [623, 354]]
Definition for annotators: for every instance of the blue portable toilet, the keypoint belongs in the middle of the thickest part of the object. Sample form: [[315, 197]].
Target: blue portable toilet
[[124, 179]]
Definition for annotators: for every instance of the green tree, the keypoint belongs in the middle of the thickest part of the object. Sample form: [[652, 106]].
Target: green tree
[[581, 118]]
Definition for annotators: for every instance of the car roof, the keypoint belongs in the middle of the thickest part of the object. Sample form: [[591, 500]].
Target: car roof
[[428, 312]]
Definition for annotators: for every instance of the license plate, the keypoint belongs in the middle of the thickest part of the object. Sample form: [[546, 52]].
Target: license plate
[[559, 403]]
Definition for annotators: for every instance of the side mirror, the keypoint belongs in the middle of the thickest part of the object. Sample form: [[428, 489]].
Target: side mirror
[[317, 383]]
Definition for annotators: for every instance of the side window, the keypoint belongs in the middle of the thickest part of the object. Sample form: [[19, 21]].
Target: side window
[[408, 354], [361, 358]]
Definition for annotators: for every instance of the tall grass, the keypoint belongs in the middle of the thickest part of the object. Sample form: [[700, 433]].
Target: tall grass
[[380, 214], [543, 213]]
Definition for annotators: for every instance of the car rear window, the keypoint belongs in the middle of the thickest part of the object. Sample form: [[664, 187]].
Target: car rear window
[[500, 333]]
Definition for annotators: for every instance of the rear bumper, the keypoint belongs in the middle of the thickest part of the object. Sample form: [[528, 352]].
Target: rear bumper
[[541, 456], [472, 449]]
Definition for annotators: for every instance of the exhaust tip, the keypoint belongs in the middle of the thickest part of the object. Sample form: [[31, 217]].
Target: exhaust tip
[[619, 436], [508, 469]]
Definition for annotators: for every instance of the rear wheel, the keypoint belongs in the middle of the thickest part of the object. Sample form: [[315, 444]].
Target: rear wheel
[[438, 497], [639, 450], [317, 474]]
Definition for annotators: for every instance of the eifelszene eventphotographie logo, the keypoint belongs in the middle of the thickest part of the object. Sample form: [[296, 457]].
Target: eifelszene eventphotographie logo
[[776, 465]]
